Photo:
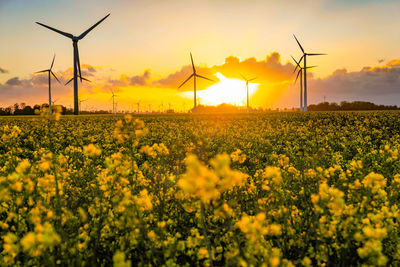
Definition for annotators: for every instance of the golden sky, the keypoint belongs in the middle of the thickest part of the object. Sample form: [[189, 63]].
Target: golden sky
[[142, 50]]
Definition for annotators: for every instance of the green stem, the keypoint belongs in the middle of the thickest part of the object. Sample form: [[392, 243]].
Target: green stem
[[203, 225]]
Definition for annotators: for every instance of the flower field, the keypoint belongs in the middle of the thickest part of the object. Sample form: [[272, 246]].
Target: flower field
[[279, 189]]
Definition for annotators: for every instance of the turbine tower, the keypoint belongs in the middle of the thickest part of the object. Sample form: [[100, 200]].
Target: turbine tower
[[300, 73], [77, 65], [73, 79], [194, 75], [50, 73], [304, 56], [247, 89]]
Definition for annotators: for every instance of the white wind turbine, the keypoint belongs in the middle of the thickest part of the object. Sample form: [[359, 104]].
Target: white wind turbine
[[50, 72], [247, 90], [305, 69], [194, 75]]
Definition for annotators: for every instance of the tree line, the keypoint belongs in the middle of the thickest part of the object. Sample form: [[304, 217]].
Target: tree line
[[23, 109], [355, 105]]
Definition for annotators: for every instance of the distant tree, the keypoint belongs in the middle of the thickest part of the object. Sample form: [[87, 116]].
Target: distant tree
[[344, 105], [16, 108], [28, 110]]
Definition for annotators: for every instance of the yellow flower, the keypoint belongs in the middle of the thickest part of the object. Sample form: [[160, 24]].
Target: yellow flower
[[45, 166], [22, 166], [28, 241], [120, 261], [273, 174], [203, 253], [91, 150]]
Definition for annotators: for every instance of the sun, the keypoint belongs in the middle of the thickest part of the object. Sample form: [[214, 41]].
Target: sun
[[227, 90]]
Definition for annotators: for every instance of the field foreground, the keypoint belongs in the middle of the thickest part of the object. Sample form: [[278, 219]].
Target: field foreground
[[248, 189]]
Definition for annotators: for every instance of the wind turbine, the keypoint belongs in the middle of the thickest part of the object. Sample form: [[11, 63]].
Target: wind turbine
[[194, 75], [305, 69], [54, 101], [247, 88], [138, 104], [80, 102], [113, 96], [77, 65], [300, 73], [50, 73]]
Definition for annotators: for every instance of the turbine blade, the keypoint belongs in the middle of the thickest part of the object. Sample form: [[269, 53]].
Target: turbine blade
[[186, 80], [311, 67], [203, 77], [298, 73], [78, 62], [191, 58], [41, 71], [52, 63], [69, 81], [252, 79], [299, 43], [297, 65], [301, 59], [58, 31], [316, 54], [91, 28], [86, 79], [244, 78], [55, 76]]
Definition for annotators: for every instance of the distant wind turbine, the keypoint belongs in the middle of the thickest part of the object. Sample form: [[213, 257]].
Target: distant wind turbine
[[305, 69], [247, 89], [113, 96], [194, 75], [138, 104], [54, 101], [50, 72], [80, 103], [77, 65], [73, 79], [300, 73]]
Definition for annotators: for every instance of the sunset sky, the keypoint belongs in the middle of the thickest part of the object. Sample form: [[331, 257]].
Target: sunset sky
[[142, 51]]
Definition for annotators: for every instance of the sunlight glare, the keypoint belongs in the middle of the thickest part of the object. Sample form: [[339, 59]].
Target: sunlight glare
[[227, 90]]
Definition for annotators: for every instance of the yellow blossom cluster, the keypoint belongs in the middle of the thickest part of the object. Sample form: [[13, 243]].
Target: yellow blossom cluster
[[206, 184]]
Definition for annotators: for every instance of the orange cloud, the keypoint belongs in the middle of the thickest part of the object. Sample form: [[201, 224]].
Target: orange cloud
[[3, 70]]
